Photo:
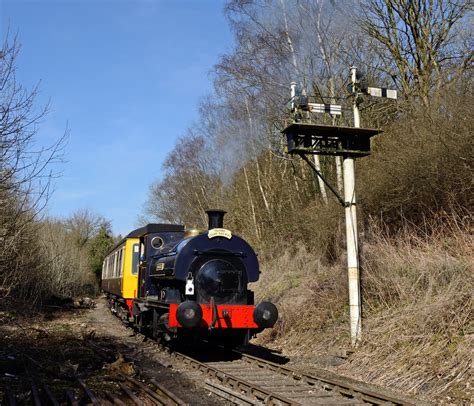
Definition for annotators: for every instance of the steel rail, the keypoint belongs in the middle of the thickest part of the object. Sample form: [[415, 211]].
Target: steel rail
[[114, 399], [239, 384], [130, 394], [165, 398], [171, 395], [71, 399], [35, 395], [95, 401], [50, 395], [229, 394]]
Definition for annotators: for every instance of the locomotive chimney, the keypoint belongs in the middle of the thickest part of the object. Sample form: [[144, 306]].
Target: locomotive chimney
[[216, 218]]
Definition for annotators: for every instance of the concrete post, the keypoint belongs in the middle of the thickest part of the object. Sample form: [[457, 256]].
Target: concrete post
[[351, 233]]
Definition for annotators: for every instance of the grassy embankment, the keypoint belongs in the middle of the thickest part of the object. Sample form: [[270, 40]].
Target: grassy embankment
[[417, 309]]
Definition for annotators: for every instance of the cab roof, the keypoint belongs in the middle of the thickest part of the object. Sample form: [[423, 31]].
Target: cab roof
[[148, 229], [154, 228]]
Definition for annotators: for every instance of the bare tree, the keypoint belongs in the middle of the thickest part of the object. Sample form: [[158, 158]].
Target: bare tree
[[189, 186], [83, 225], [72, 251], [25, 173], [416, 40]]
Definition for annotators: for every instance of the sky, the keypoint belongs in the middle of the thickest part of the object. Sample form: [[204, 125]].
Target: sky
[[125, 77]]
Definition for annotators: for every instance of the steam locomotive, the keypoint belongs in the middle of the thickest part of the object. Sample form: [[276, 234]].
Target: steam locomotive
[[179, 284]]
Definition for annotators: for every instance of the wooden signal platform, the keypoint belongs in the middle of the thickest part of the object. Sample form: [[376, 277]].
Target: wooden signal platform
[[304, 138]]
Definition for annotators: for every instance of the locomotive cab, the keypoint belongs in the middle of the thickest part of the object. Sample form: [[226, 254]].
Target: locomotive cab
[[155, 239]]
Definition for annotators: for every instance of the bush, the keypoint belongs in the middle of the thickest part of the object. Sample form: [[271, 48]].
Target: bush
[[422, 165]]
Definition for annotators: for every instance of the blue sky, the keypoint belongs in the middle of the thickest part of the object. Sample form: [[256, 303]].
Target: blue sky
[[126, 77]]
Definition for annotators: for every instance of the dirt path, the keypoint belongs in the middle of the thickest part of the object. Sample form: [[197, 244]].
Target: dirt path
[[148, 357], [59, 347]]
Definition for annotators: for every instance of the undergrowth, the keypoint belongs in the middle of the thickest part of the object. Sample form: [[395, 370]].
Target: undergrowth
[[417, 308]]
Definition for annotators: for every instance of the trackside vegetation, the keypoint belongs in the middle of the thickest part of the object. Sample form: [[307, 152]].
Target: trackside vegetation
[[41, 258]]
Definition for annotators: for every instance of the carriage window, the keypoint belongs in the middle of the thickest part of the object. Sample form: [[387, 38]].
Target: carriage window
[[122, 260], [115, 264], [112, 257], [117, 267], [119, 273], [135, 257], [118, 264]]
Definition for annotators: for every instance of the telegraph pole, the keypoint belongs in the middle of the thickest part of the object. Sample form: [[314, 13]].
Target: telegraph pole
[[351, 230]]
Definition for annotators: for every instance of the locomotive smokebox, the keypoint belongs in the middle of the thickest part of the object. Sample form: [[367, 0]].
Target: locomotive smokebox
[[216, 218]]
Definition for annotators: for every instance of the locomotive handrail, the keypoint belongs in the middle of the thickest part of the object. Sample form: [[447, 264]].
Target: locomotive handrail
[[164, 254], [221, 253]]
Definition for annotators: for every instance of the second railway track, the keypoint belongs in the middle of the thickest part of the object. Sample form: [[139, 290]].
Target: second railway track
[[248, 380]]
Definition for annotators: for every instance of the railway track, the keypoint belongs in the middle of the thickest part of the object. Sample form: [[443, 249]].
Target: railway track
[[238, 377], [244, 379], [127, 391], [115, 389]]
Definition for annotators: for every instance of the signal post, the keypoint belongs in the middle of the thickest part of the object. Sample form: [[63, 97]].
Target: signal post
[[304, 138], [352, 239]]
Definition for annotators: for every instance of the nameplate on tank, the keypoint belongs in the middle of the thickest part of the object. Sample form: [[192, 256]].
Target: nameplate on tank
[[219, 232]]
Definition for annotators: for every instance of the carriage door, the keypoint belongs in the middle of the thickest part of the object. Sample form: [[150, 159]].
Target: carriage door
[[142, 270]]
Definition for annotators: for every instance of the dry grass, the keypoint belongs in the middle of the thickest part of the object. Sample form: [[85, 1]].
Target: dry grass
[[417, 264], [310, 297], [418, 316]]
